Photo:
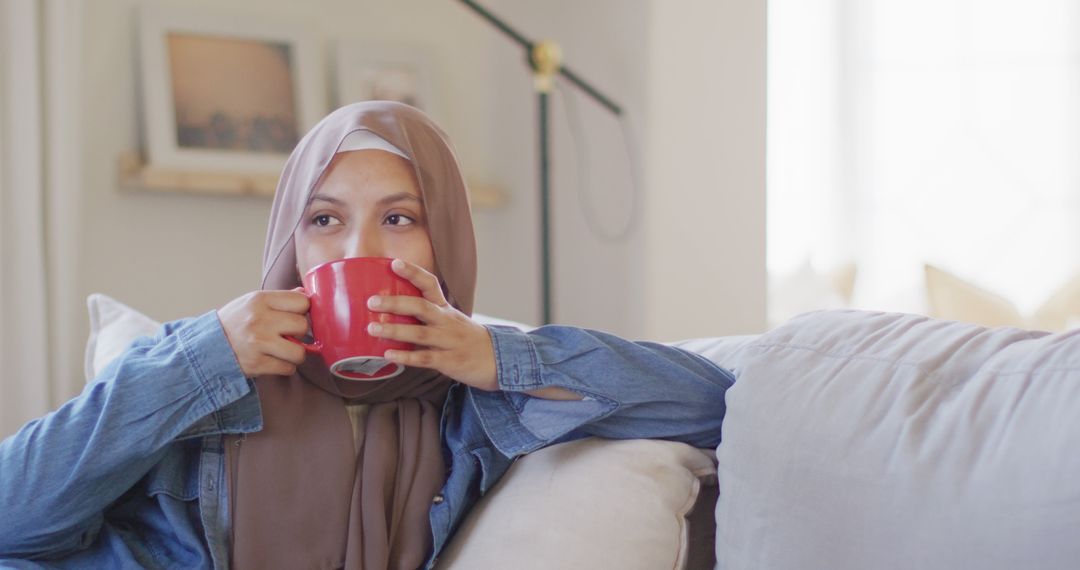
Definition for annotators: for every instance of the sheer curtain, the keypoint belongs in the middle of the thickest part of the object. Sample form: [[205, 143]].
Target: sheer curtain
[[941, 132], [24, 372], [40, 194]]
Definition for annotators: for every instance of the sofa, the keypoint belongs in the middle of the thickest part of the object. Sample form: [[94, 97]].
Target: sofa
[[852, 440]]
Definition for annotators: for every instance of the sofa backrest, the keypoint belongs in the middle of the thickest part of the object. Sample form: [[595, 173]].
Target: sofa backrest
[[873, 440]]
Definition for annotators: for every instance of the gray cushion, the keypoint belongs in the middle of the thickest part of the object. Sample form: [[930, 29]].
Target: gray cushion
[[871, 440]]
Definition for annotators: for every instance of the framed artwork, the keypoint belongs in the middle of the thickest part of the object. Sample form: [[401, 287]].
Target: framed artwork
[[226, 92], [366, 72]]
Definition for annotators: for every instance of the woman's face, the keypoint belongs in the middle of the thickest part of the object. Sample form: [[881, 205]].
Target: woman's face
[[367, 205]]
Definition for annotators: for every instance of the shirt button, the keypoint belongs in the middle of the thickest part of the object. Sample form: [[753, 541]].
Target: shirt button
[[438, 499]]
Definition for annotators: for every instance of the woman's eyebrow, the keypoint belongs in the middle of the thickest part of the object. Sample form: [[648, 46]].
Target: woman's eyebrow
[[386, 200], [326, 198]]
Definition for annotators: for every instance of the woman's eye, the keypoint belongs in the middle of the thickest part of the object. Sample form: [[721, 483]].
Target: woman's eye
[[399, 220], [325, 220]]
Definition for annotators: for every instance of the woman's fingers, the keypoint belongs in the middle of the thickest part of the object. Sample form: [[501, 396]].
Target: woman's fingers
[[421, 335], [256, 326], [289, 301], [406, 305], [427, 283], [293, 324], [458, 348], [416, 358], [287, 350]]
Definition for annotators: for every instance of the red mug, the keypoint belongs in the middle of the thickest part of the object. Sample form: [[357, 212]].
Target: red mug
[[339, 291]]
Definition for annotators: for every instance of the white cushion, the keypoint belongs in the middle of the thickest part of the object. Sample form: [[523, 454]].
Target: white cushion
[[113, 325], [723, 350], [590, 503], [886, 441]]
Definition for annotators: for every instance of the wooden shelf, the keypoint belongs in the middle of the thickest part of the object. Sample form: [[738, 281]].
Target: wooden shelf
[[486, 197], [135, 175]]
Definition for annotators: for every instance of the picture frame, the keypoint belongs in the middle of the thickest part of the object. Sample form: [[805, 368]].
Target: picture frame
[[224, 91], [369, 72]]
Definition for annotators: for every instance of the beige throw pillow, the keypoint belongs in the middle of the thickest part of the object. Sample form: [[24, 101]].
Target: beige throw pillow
[[591, 503], [1061, 311], [955, 299]]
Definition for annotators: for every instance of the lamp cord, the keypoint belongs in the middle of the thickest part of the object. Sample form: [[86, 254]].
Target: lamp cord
[[581, 152]]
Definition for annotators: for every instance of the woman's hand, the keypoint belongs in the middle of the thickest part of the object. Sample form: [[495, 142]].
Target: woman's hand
[[256, 325], [447, 340]]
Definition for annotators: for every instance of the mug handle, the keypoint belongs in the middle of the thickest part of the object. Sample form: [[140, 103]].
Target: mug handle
[[315, 347]]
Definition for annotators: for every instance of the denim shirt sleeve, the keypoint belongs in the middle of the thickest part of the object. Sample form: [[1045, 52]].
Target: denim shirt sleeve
[[630, 390], [59, 473]]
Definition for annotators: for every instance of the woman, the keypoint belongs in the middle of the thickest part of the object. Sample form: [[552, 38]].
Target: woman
[[218, 442]]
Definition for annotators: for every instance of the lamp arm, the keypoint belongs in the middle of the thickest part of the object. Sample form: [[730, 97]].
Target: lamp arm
[[529, 46], [600, 98], [503, 26]]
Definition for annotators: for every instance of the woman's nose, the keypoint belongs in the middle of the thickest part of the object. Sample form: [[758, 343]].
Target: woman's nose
[[364, 244]]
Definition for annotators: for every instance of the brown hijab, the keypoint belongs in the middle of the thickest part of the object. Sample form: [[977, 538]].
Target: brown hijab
[[302, 494]]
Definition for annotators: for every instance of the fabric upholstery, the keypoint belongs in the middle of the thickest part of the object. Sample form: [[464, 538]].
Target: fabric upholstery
[[875, 440]]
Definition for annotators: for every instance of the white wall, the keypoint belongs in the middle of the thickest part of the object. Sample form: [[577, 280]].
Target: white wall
[[706, 212], [174, 255]]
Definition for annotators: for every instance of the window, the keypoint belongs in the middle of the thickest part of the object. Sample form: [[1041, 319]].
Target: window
[[941, 132]]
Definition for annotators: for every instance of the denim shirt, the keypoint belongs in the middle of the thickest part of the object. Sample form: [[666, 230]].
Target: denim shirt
[[131, 473]]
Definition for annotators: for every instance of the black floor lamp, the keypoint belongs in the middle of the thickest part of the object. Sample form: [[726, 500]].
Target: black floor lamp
[[545, 59]]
